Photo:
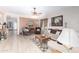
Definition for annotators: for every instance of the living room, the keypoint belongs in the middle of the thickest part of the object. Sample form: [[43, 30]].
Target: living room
[[57, 24]]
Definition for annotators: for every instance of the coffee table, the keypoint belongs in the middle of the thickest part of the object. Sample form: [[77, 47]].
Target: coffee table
[[43, 39]]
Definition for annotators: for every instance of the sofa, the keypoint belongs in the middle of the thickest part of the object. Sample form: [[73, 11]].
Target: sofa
[[25, 31]]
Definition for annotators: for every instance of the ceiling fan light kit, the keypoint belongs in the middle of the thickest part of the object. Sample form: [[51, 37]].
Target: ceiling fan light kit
[[35, 12]]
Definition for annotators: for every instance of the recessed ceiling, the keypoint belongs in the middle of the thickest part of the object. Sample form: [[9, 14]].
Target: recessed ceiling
[[27, 10]]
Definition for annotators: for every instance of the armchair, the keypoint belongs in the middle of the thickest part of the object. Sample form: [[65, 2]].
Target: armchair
[[37, 30], [25, 31]]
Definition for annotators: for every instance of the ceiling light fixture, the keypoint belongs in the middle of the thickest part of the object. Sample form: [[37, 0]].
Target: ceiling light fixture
[[35, 14]]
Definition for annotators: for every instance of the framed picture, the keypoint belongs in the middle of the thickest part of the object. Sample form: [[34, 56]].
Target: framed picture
[[57, 21]]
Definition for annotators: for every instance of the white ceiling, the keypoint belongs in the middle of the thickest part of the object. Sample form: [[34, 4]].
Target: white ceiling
[[27, 10]]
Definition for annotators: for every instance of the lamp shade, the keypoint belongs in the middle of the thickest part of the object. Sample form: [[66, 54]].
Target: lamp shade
[[69, 37]]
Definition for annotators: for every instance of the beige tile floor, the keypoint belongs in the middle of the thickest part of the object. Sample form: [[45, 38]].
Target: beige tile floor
[[23, 44], [16, 43], [19, 44]]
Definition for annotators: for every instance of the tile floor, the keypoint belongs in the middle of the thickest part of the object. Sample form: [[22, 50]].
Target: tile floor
[[22, 44], [19, 44]]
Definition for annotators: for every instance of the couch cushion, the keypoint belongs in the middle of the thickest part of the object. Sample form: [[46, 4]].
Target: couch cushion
[[54, 45]]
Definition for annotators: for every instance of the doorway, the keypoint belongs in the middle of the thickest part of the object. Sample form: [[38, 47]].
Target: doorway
[[12, 24]]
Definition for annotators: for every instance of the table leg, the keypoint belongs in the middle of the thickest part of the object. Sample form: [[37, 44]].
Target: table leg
[[44, 45]]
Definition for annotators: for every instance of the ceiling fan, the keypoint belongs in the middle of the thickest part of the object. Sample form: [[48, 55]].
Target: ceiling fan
[[35, 12]]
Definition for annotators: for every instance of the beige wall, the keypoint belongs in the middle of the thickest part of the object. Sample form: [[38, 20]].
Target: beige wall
[[70, 15], [1, 17], [25, 22]]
